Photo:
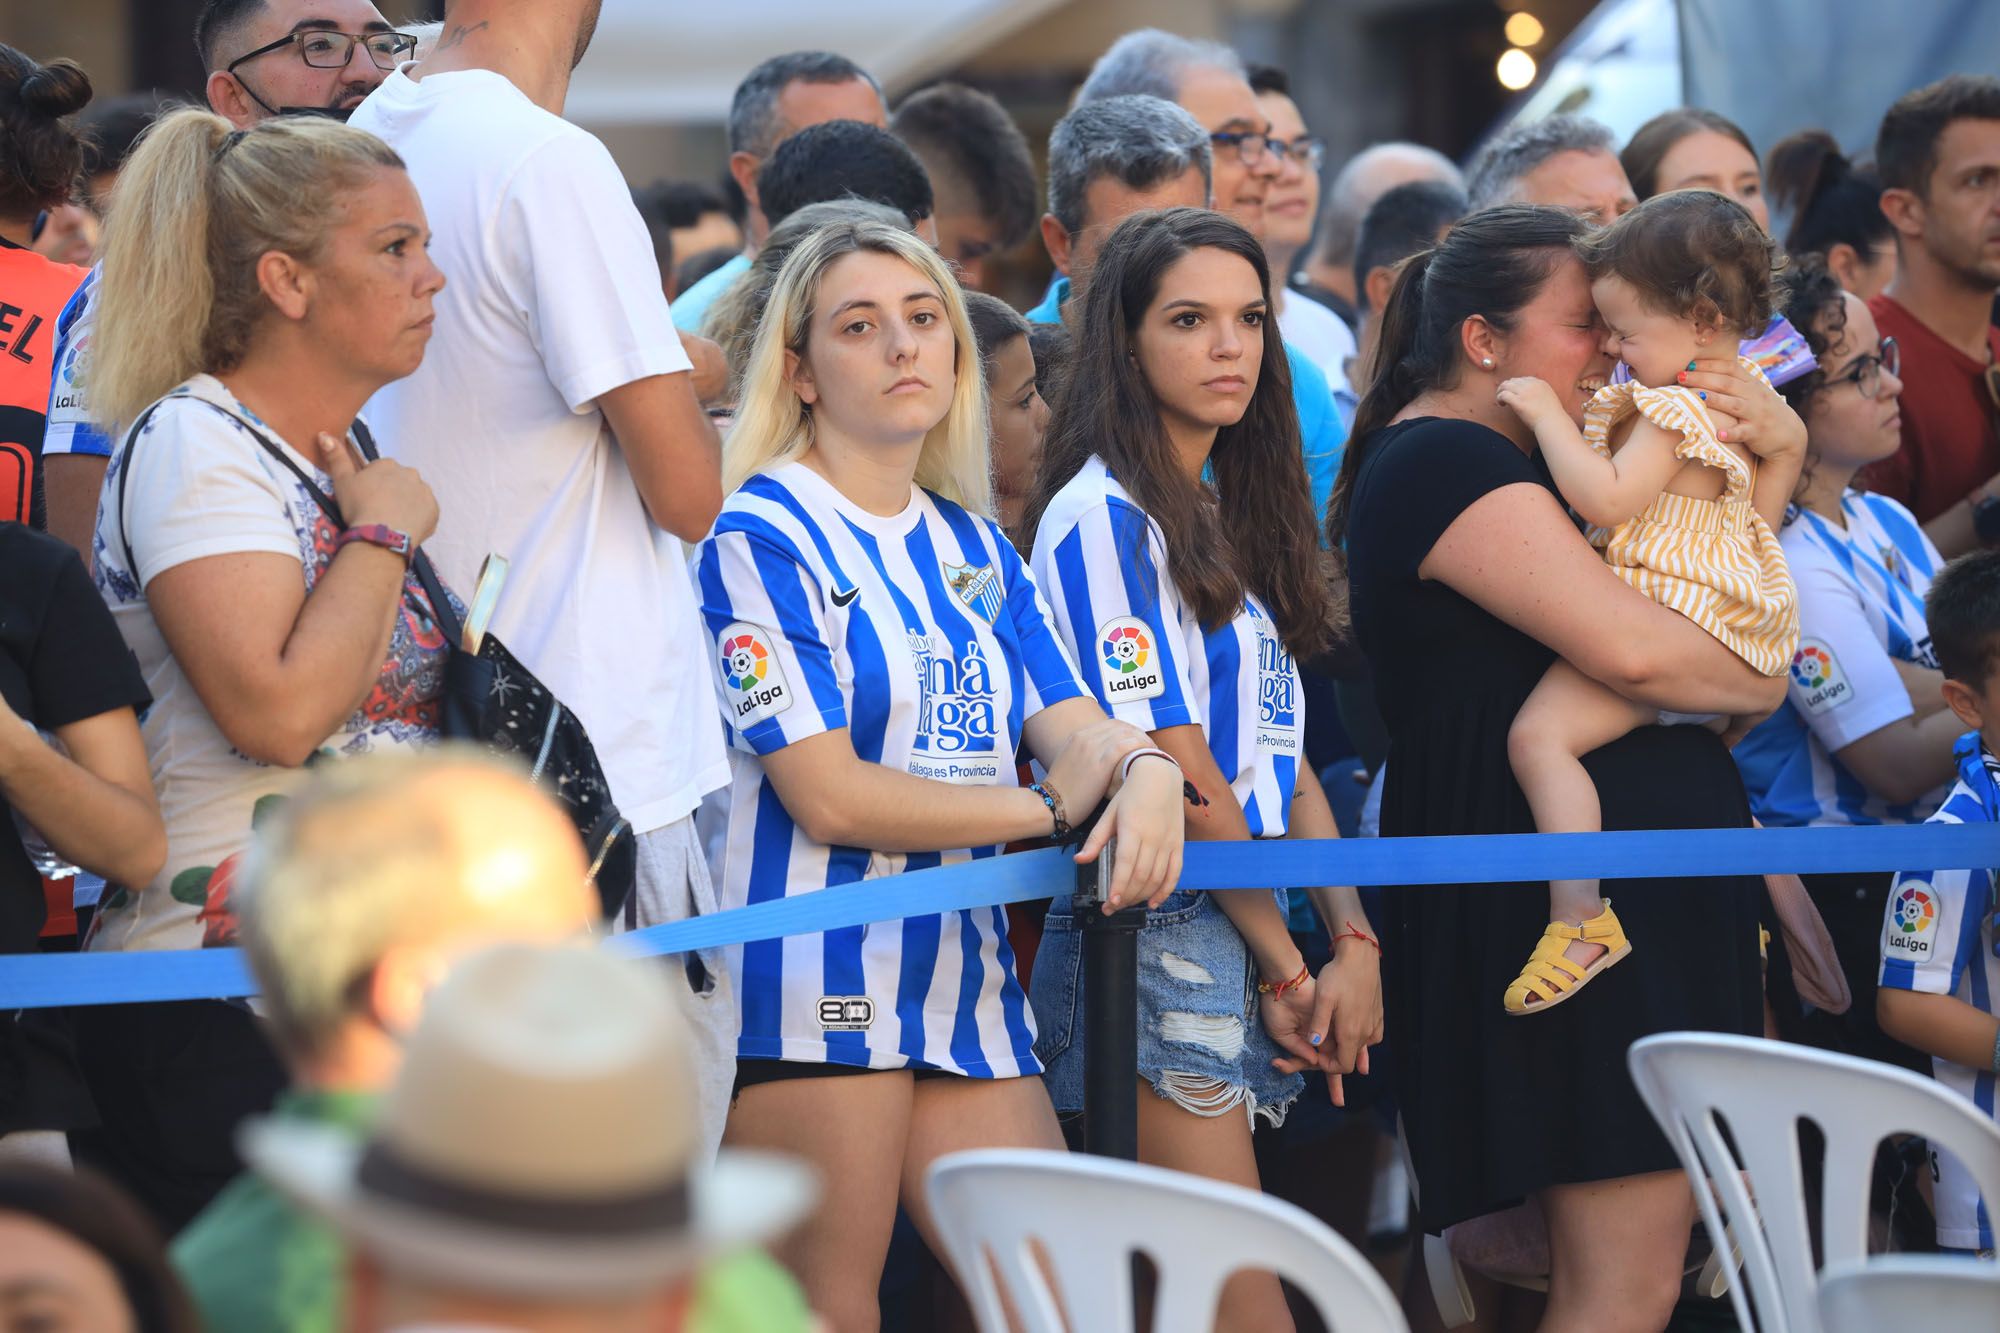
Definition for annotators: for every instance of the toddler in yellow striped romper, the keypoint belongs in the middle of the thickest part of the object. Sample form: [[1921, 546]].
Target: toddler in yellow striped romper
[[1676, 509]]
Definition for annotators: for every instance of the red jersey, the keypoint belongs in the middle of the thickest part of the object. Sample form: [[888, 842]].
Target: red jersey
[[33, 291], [1950, 443]]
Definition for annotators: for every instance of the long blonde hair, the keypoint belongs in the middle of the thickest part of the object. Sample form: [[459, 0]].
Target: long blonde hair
[[773, 425], [196, 206]]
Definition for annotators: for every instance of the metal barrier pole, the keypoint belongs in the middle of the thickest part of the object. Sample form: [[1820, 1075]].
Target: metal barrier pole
[[1111, 1015]]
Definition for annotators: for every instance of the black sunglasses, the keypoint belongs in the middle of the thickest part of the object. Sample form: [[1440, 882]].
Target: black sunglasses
[[325, 49]]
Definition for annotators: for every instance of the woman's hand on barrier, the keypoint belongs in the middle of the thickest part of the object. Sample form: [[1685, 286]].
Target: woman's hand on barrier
[[1749, 411], [1145, 816], [383, 491], [1088, 761]]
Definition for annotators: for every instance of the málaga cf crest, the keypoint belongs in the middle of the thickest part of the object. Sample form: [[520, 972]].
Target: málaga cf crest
[[978, 586]]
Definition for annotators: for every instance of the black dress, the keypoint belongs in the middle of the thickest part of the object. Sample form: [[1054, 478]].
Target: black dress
[[1497, 1107]]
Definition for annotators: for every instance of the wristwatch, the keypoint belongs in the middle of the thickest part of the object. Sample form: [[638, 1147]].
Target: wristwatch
[[1986, 518], [378, 534]]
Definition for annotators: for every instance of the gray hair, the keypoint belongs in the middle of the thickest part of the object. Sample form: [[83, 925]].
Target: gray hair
[[348, 867], [1520, 150], [753, 111], [1150, 62], [1354, 190], [1140, 141]]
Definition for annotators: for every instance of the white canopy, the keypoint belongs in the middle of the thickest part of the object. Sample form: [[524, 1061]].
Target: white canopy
[[678, 61]]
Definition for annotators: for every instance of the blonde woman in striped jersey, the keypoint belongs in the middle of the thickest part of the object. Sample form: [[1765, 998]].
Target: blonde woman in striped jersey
[[1679, 512]]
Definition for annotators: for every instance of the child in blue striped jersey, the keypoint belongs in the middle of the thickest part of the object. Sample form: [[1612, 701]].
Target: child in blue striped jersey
[[879, 652], [1940, 981], [1175, 536]]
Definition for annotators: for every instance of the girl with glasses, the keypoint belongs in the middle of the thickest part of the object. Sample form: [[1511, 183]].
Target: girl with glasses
[[1866, 738]]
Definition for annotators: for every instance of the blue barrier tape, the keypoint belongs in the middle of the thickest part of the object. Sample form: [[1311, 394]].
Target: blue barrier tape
[[41, 980]]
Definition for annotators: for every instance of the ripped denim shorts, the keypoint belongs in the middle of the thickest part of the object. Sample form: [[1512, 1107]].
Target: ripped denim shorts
[[1201, 1043]]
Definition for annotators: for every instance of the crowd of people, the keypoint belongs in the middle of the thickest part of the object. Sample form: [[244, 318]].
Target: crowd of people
[[369, 422]]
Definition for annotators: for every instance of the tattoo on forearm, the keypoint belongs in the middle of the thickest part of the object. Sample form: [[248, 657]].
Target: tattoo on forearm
[[458, 33]]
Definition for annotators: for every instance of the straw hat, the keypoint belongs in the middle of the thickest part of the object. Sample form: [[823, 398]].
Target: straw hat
[[540, 1139]]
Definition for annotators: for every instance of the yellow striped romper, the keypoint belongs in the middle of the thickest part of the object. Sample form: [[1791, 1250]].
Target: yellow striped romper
[[1717, 562]]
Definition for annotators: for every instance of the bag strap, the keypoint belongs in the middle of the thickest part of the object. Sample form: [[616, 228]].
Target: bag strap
[[124, 471], [420, 564]]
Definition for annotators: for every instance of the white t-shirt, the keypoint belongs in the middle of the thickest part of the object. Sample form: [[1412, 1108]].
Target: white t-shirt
[[1322, 335], [202, 485], [552, 299]]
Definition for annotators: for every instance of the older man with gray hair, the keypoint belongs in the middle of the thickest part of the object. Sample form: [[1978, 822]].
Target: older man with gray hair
[[1107, 161], [1368, 175], [356, 897], [777, 99], [1209, 84], [1564, 161]]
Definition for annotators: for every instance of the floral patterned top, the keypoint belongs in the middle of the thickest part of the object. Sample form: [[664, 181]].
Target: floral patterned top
[[201, 484]]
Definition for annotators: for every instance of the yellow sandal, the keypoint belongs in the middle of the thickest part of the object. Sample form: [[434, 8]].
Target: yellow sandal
[[1550, 978]]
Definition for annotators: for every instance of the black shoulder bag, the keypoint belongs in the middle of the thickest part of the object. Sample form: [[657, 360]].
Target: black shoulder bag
[[491, 699]]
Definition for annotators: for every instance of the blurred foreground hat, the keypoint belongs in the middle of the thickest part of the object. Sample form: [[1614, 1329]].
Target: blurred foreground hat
[[540, 1139]]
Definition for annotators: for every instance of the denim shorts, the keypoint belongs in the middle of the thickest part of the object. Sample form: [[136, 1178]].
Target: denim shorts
[[1199, 1028]]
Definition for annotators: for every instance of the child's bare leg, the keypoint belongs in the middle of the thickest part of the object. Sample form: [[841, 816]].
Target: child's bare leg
[[1566, 717]]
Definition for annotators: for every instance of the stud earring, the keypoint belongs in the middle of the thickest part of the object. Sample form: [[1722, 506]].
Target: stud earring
[[1486, 362]]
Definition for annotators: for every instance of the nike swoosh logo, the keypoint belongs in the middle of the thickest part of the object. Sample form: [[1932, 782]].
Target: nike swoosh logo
[[843, 598]]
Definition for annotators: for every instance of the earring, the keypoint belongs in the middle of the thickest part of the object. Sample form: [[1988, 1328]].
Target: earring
[[1486, 362]]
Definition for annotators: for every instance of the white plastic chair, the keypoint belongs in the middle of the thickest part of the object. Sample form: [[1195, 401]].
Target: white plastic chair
[[1934, 1292], [1696, 1083], [1090, 1214]]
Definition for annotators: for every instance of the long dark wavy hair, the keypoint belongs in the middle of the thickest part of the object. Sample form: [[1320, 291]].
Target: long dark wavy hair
[[1256, 530], [1490, 264]]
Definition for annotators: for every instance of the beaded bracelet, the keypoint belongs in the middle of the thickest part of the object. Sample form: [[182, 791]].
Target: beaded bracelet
[[1053, 800], [1278, 991]]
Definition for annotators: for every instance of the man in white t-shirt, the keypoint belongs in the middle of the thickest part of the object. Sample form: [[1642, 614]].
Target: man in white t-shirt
[[556, 420]]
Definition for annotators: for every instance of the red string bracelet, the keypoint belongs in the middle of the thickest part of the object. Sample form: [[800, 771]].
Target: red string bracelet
[[1266, 988], [1351, 933]]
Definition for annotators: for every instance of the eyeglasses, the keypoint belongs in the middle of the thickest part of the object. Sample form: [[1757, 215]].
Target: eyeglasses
[[1305, 150], [1250, 147], [325, 49], [1866, 371]]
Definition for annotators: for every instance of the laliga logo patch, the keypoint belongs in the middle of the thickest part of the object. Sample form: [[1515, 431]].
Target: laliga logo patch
[[1912, 922], [1819, 677], [753, 683], [1128, 663]]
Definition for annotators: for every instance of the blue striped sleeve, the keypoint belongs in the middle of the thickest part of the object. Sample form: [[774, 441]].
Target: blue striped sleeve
[[1121, 618], [1051, 674], [776, 679], [1930, 925]]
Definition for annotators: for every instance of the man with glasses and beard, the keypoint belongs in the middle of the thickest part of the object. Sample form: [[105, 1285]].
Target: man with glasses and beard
[[1938, 154], [264, 58]]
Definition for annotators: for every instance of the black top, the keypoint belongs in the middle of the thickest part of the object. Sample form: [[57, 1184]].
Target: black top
[[1498, 1107], [61, 660]]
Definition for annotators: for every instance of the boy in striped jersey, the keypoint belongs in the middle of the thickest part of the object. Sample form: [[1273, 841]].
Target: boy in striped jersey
[[1940, 959]]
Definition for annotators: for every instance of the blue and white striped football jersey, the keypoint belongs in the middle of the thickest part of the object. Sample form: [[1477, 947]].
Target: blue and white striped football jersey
[[1861, 610], [1939, 937], [924, 635], [1147, 657]]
